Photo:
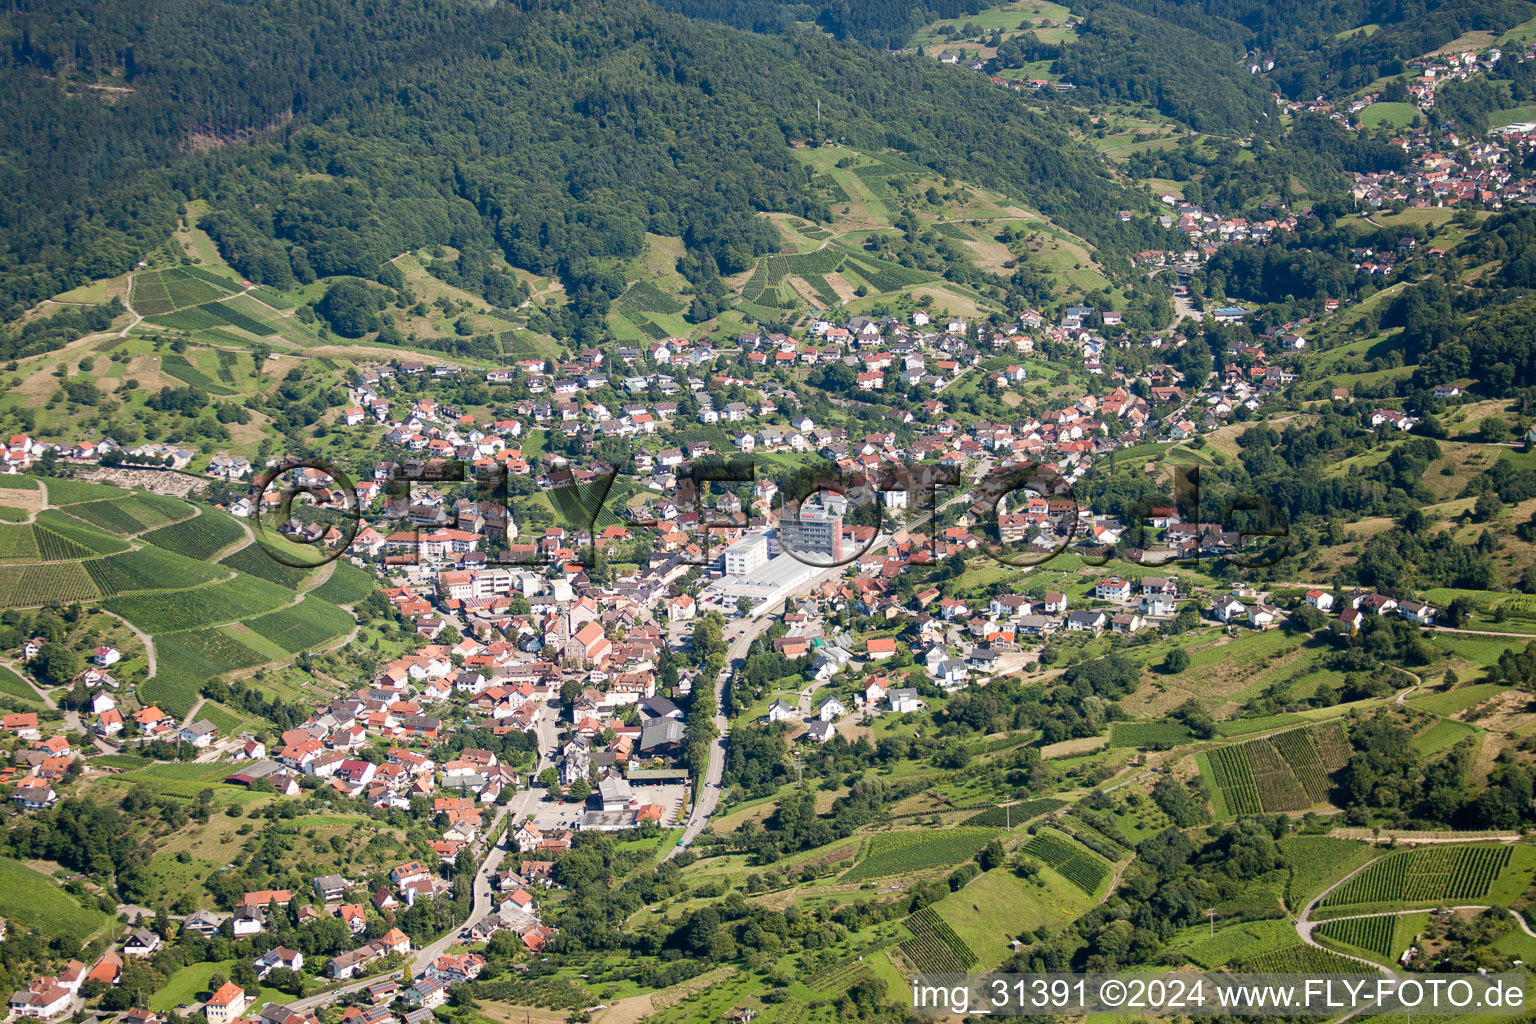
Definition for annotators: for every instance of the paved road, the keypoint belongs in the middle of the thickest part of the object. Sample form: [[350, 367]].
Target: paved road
[[518, 807], [741, 636]]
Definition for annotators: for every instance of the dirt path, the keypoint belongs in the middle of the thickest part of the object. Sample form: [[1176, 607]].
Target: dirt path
[[144, 638]]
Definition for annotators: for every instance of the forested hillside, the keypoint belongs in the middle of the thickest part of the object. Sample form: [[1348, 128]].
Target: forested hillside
[[1314, 45], [557, 136]]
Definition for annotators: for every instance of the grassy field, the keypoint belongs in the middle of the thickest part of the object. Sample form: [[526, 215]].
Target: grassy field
[[1392, 115], [1443, 735], [190, 985], [1451, 702], [999, 905], [32, 900]]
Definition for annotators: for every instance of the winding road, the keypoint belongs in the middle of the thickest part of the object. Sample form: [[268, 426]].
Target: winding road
[[483, 902], [1305, 925]]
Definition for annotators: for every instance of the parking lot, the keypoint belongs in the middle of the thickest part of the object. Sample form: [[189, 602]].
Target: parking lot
[[560, 815]]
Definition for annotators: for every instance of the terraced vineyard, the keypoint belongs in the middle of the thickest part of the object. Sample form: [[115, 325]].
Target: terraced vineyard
[[934, 948], [1069, 860], [1372, 934], [166, 612], [17, 543], [55, 547], [187, 660], [77, 532], [1299, 751], [68, 492], [1300, 959], [254, 559], [1149, 734], [893, 852], [148, 568], [840, 977], [133, 513], [199, 538], [1018, 814], [1423, 874], [1284, 772], [44, 583], [181, 368], [348, 585], [303, 627], [1278, 787], [161, 291], [1233, 775], [1332, 745]]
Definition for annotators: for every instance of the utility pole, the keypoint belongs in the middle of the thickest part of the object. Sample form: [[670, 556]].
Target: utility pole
[[1211, 913]]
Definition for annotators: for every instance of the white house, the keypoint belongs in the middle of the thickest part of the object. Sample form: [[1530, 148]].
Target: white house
[[779, 711], [225, 1005], [1263, 616], [1320, 599], [1227, 607], [831, 709]]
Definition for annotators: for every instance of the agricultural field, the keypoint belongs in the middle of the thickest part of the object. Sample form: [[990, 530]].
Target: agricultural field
[[158, 292], [35, 901], [254, 560], [186, 660], [131, 513], [1149, 735], [1000, 904], [69, 492], [44, 583], [1017, 814], [18, 544], [1233, 942], [1284, 772], [201, 537], [1425, 873], [55, 547], [93, 540], [897, 852], [837, 978], [232, 601], [1318, 861], [934, 948], [306, 625], [148, 568], [15, 687], [348, 584], [1300, 959], [1068, 859], [1371, 934]]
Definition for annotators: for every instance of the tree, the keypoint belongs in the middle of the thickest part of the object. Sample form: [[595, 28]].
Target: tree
[[351, 308], [56, 664], [992, 855], [1176, 661], [1488, 507]]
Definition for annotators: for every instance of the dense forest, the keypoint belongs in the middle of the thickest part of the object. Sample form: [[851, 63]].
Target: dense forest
[[557, 136], [1175, 71], [1313, 49], [884, 23]]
